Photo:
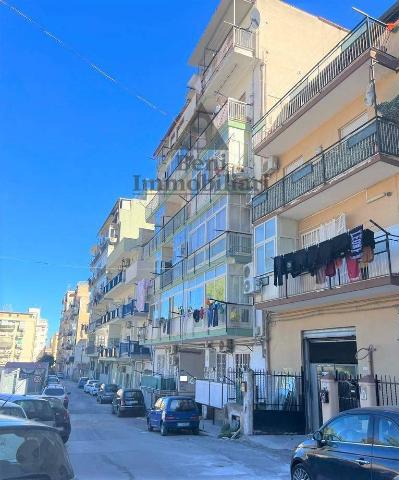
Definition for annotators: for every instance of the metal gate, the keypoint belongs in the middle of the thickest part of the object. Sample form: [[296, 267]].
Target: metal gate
[[279, 402], [387, 390], [348, 391]]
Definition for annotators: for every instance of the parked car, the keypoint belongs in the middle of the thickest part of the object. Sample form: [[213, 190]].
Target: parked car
[[60, 375], [57, 391], [82, 381], [52, 379], [359, 443], [94, 388], [11, 409], [128, 401], [88, 385], [36, 408], [32, 450], [174, 413], [107, 392], [62, 420]]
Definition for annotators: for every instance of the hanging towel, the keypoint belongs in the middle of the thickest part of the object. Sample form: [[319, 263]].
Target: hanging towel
[[356, 235]]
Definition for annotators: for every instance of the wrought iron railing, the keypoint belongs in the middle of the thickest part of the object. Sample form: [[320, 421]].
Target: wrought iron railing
[[385, 264], [237, 37], [368, 34], [376, 136], [131, 348]]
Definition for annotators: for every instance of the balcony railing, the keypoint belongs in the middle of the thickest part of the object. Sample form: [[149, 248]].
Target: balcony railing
[[368, 34], [132, 348], [385, 264], [152, 205], [230, 244], [233, 319], [237, 37], [377, 136], [114, 282]]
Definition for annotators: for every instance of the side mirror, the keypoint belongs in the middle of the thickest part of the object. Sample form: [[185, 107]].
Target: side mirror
[[318, 436]]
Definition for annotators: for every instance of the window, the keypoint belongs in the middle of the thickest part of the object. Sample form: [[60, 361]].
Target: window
[[294, 165], [242, 361], [216, 289], [265, 246], [353, 125], [183, 405], [220, 367], [348, 428], [387, 433]]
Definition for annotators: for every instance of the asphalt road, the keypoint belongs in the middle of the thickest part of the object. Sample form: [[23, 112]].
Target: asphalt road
[[104, 447]]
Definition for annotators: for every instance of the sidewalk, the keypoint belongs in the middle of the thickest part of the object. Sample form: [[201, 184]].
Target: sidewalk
[[272, 442]]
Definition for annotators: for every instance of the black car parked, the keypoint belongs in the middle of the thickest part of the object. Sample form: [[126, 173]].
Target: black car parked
[[62, 420], [360, 444], [107, 392], [129, 401]]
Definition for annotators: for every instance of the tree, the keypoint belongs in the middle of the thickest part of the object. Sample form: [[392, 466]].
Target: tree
[[47, 358]]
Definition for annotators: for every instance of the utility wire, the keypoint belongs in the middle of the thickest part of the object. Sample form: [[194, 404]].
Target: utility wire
[[82, 57]]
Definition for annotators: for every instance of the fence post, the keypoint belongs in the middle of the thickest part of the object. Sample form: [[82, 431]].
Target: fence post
[[330, 409], [368, 394], [248, 403]]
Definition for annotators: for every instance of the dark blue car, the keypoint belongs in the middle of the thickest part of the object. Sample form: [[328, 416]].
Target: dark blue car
[[174, 413]]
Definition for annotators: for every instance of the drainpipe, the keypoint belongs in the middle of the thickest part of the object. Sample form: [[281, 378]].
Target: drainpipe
[[266, 320]]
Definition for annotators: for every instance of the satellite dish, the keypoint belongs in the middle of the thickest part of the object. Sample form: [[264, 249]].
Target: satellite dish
[[255, 20]]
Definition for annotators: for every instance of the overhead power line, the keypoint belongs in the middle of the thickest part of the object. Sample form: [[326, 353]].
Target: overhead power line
[[82, 57]]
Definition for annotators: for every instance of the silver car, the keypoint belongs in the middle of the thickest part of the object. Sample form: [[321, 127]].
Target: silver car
[[32, 450], [12, 409]]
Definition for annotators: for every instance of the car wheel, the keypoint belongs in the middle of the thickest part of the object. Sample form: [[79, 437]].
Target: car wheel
[[65, 439], [196, 431], [149, 428], [300, 472], [164, 430]]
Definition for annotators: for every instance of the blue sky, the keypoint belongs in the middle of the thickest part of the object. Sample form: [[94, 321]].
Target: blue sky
[[70, 141]]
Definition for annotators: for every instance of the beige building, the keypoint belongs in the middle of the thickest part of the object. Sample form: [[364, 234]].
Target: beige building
[[22, 336], [326, 257], [116, 312], [73, 329], [202, 322], [53, 349]]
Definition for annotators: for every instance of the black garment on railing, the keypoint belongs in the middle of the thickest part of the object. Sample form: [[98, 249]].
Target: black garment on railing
[[312, 259]]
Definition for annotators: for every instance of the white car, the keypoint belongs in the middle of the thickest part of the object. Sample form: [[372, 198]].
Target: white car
[[56, 391], [95, 387], [88, 385]]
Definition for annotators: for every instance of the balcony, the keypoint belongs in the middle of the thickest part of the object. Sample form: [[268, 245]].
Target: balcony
[[152, 207], [114, 282], [237, 50], [380, 277], [228, 244], [235, 321], [131, 349], [158, 382], [91, 349], [340, 77], [361, 159]]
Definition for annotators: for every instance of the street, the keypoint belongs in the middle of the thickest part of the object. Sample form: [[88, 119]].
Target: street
[[103, 446]]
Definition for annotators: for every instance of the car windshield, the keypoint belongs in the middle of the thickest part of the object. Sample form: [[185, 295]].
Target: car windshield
[[183, 405], [36, 409], [55, 402], [12, 412], [33, 453], [133, 395], [56, 392]]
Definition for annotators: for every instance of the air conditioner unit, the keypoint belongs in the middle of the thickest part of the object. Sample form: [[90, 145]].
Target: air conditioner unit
[[251, 284], [269, 165]]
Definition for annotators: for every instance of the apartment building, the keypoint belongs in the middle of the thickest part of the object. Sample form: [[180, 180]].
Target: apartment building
[[201, 321], [22, 336], [326, 258], [53, 349], [72, 334], [117, 301]]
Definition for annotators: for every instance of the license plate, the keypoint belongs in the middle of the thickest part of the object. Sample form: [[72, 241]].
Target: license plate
[[183, 424]]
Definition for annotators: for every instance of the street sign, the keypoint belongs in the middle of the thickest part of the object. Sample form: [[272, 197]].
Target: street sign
[[37, 379]]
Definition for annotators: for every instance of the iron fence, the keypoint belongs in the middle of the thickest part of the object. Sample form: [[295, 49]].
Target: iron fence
[[278, 391], [348, 391], [387, 390]]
